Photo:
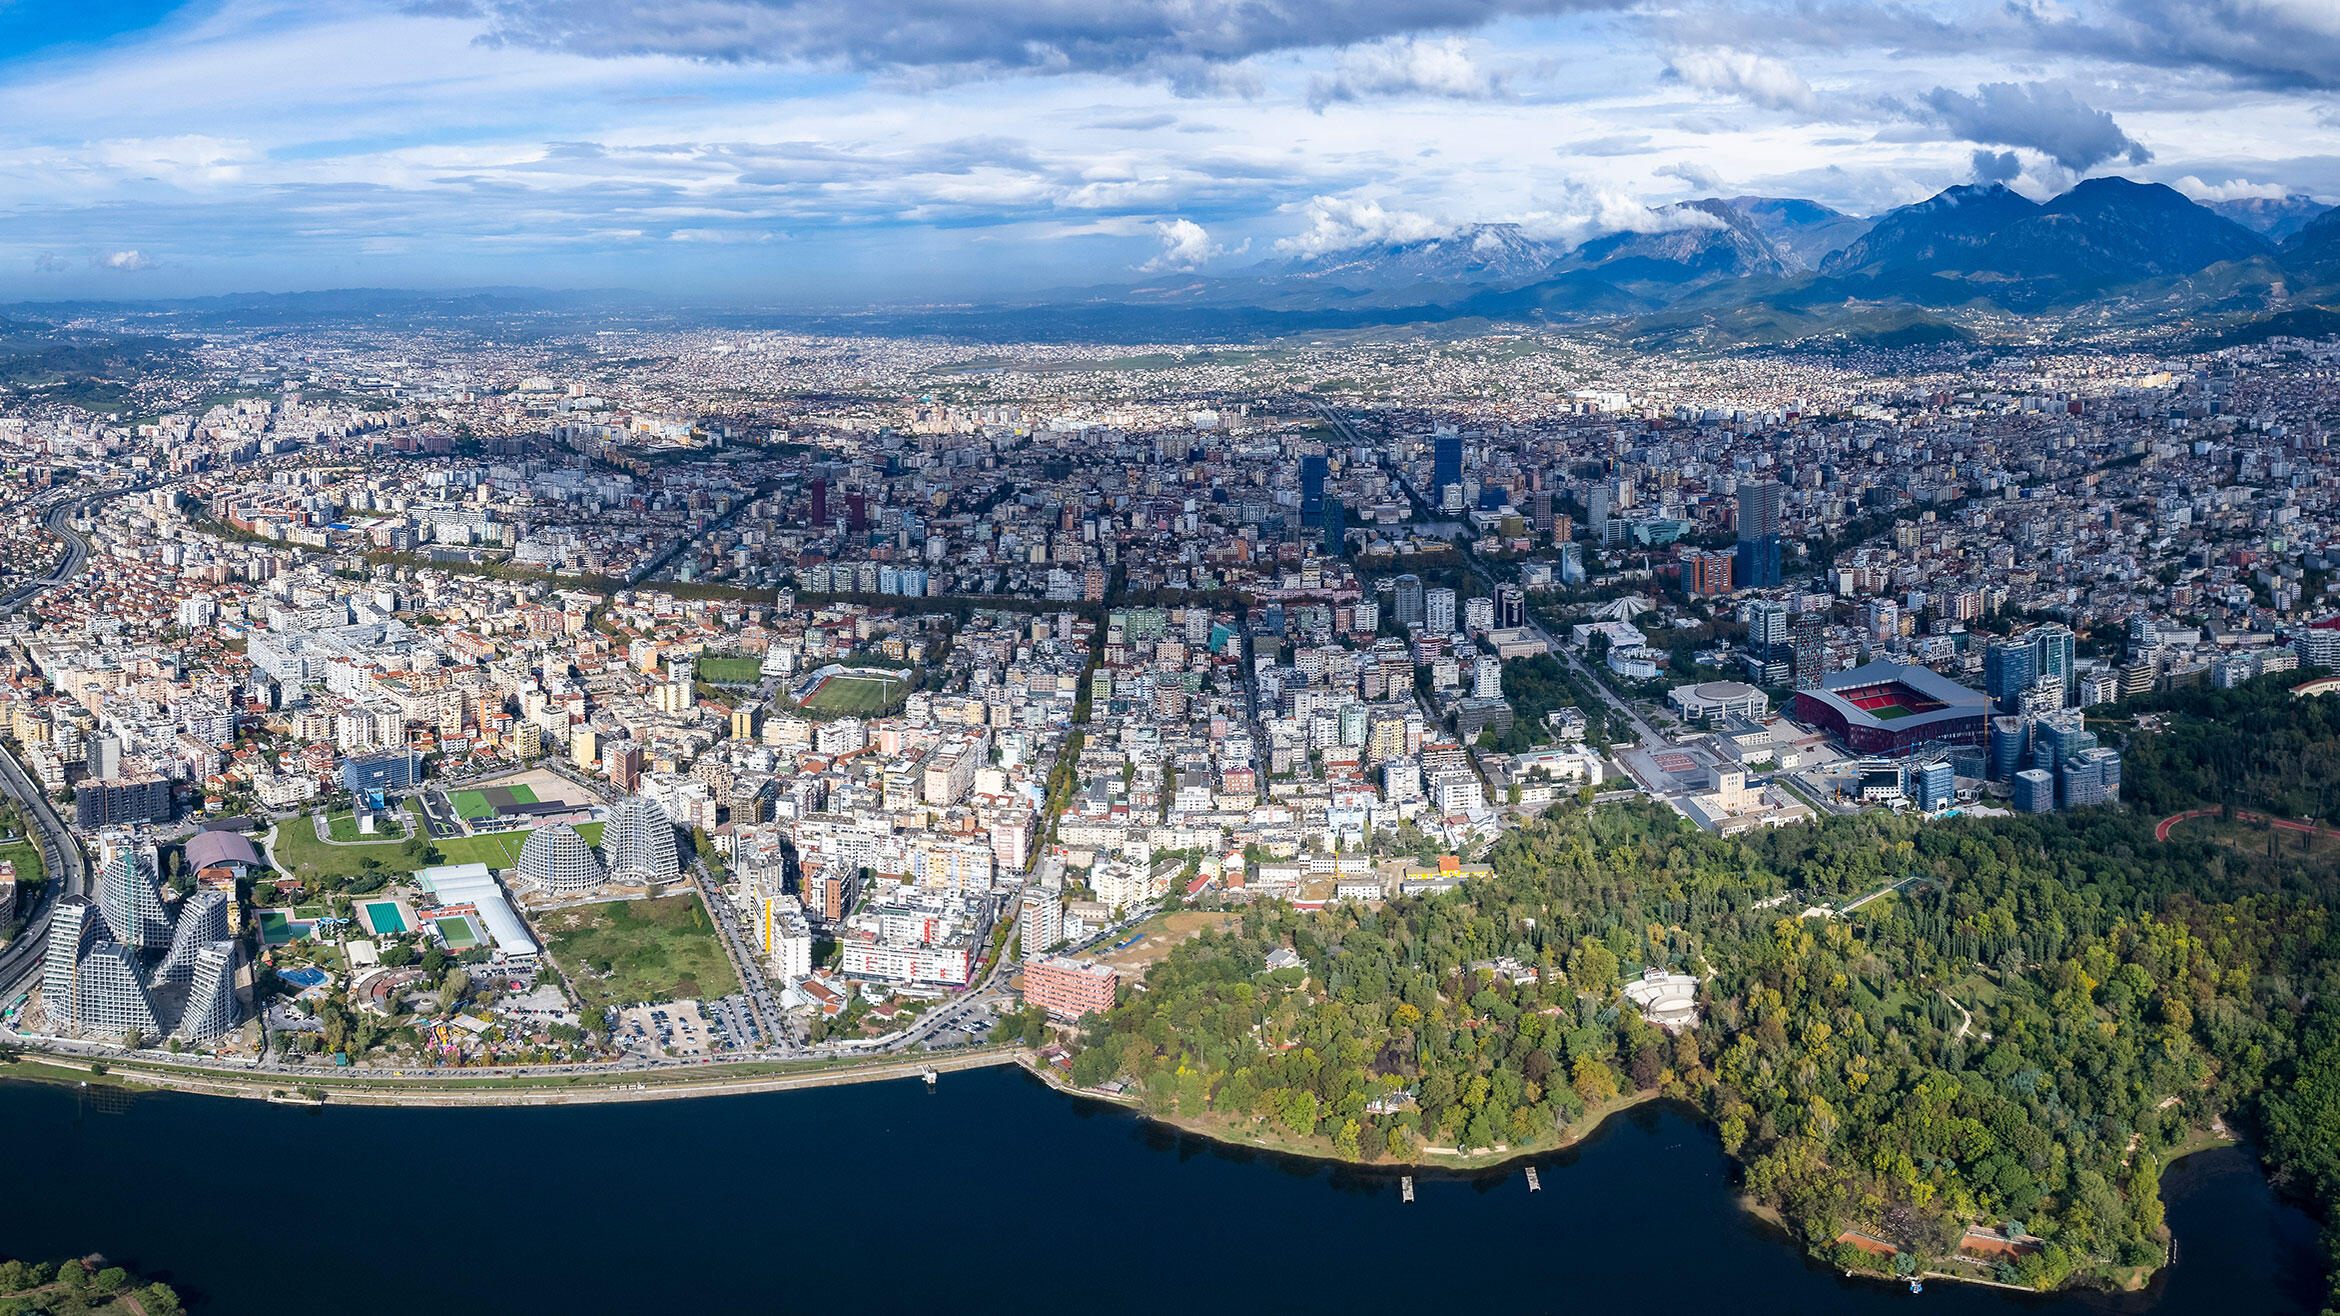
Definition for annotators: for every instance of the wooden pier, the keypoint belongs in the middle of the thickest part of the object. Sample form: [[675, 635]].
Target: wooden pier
[[1406, 1188], [1535, 1185]]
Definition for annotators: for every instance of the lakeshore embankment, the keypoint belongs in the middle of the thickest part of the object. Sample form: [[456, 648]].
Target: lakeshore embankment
[[514, 1090]]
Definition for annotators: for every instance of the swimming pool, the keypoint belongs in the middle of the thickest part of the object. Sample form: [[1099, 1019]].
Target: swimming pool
[[383, 917]]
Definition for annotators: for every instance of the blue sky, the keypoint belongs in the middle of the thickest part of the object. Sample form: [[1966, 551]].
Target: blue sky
[[834, 153]]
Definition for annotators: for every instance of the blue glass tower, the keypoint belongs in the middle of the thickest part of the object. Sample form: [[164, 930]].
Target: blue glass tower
[[1447, 462], [1758, 564], [1313, 469]]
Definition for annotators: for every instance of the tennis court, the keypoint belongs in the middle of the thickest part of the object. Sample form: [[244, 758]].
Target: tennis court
[[383, 918]]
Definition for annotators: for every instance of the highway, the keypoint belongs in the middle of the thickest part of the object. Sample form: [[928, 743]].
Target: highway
[[60, 852]]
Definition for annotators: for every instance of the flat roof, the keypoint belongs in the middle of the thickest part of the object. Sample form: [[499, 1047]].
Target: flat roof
[[473, 884]]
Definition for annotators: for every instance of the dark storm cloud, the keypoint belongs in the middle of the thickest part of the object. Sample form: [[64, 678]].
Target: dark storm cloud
[[1997, 166], [2283, 44], [2274, 44], [1183, 40], [2037, 116]]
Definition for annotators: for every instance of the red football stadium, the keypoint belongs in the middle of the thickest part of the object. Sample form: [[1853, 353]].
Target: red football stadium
[[1892, 708]]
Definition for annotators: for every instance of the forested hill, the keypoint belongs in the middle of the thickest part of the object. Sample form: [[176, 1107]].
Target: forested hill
[[2256, 746], [2016, 1039]]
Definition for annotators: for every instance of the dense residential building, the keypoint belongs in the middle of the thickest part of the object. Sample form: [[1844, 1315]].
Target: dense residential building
[[638, 844], [556, 860]]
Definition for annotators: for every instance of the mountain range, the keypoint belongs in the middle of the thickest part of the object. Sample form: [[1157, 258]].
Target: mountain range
[[1759, 269], [2110, 254]]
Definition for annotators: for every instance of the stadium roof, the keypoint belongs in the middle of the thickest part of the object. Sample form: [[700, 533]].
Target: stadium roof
[[1957, 700], [207, 849]]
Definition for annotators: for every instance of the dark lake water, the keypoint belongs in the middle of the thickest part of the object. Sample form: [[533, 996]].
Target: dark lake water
[[990, 1192]]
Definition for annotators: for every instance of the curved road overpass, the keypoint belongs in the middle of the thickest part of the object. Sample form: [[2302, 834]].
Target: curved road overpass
[[60, 854]]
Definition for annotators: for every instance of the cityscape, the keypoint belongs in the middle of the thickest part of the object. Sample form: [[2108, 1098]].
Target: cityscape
[[755, 607]]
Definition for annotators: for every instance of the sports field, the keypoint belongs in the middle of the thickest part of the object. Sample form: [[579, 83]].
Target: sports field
[[457, 933], [854, 696], [1889, 712], [496, 849], [731, 671], [475, 805]]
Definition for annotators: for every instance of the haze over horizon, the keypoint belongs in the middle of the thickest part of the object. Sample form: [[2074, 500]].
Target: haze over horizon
[[925, 148]]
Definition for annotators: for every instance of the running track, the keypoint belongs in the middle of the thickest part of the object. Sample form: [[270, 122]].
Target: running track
[[2161, 829]]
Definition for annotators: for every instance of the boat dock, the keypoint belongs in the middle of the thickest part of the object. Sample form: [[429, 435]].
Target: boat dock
[[1535, 1185], [1406, 1188]]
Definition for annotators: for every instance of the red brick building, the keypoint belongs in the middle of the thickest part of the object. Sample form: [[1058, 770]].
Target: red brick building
[[1067, 988]]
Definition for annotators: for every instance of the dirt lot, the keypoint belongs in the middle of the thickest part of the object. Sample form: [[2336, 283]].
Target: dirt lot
[[1162, 933]]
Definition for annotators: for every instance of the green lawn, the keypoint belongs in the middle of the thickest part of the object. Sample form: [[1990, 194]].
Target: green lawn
[[501, 849], [731, 671], [298, 848], [26, 855], [496, 850], [343, 827], [302, 854], [639, 950], [854, 696]]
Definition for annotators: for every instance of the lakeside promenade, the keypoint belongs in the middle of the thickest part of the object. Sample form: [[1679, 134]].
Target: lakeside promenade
[[511, 1090]]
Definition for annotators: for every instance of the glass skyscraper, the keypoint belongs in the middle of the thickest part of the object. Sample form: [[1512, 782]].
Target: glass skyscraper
[[1313, 469], [1446, 462], [1758, 564]]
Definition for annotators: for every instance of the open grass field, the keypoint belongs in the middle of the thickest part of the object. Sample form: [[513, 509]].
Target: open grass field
[[298, 848], [1891, 712], [302, 854], [26, 856], [500, 849], [388, 827], [496, 850], [731, 671], [626, 951], [1162, 933], [854, 696]]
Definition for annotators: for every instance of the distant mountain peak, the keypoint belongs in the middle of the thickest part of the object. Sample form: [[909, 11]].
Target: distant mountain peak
[[1472, 253], [2103, 231]]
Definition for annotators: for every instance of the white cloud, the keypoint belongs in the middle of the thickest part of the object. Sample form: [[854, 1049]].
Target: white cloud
[[2234, 189], [1758, 78], [723, 236], [1698, 176], [126, 261], [1338, 224], [1445, 67], [187, 161], [1186, 245], [1573, 211]]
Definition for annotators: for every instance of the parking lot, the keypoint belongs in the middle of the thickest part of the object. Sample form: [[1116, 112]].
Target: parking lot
[[732, 1024], [679, 1026], [438, 815]]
